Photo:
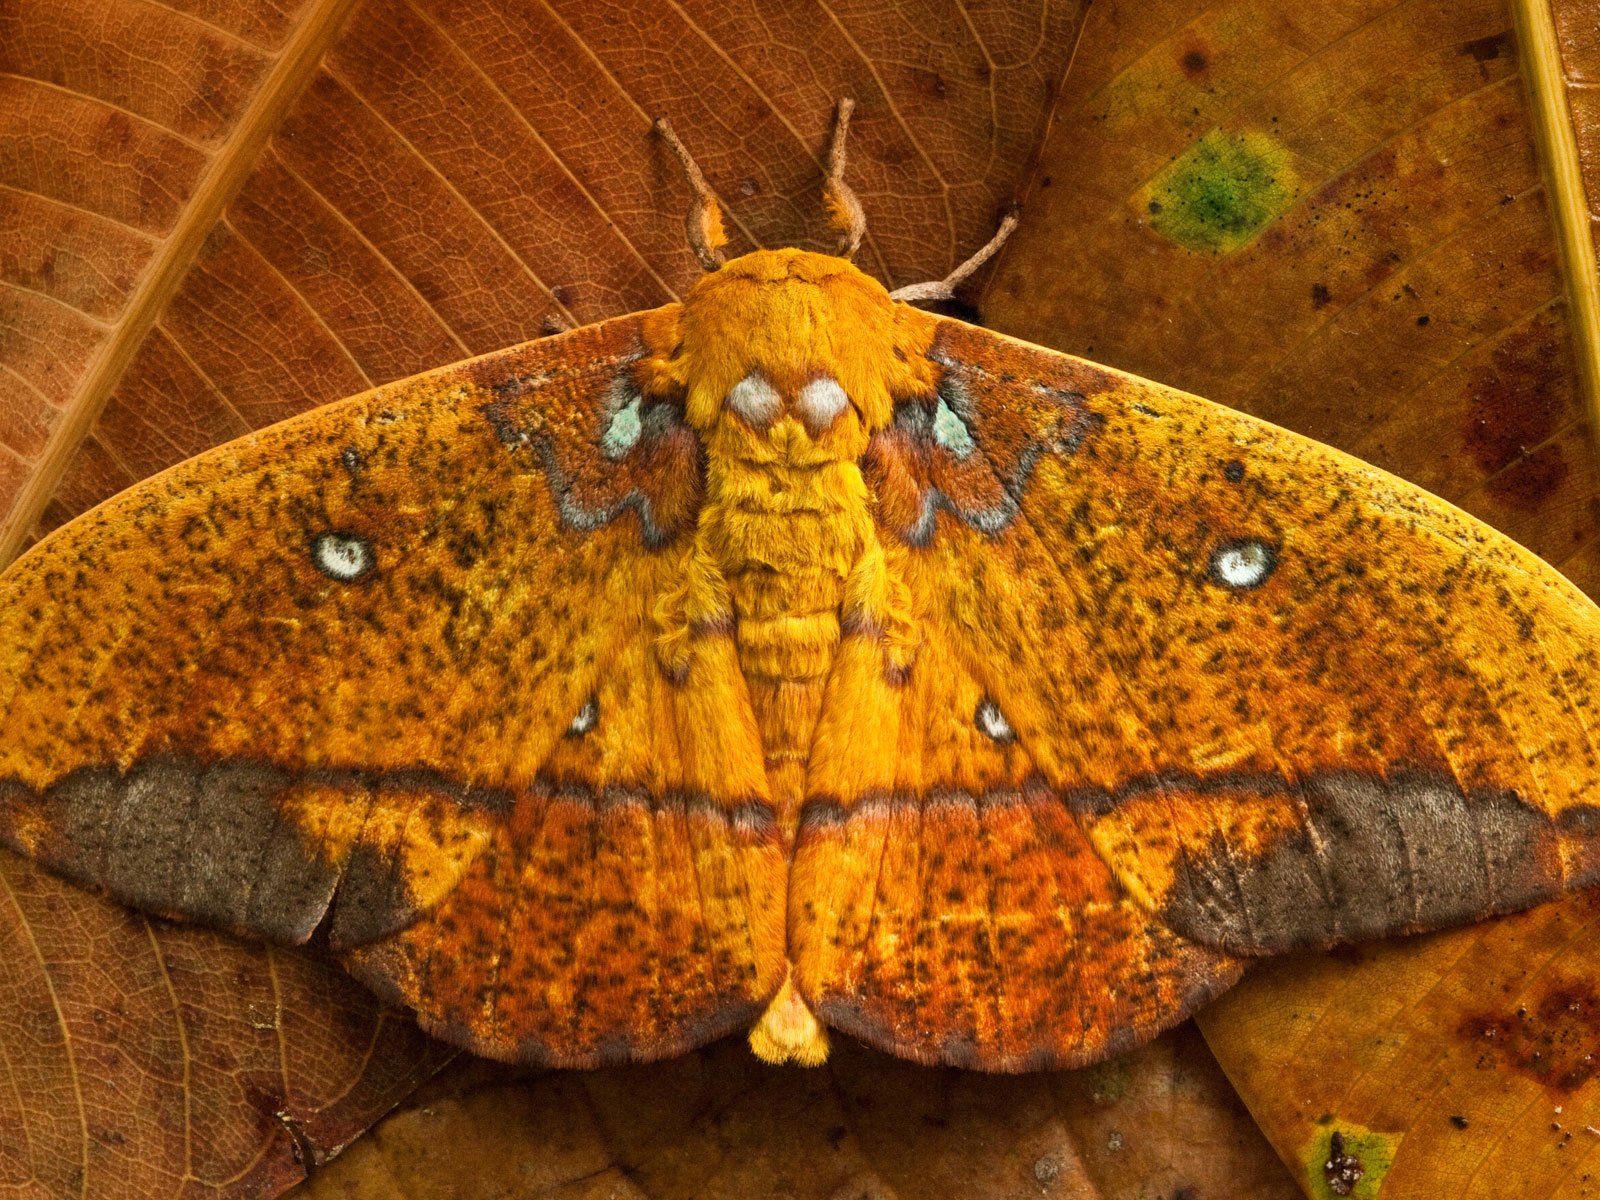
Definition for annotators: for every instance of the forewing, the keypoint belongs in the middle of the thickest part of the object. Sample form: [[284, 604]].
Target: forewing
[[385, 669], [1282, 698]]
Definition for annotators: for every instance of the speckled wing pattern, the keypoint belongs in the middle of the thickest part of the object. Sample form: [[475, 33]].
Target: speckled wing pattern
[[1189, 688], [383, 671]]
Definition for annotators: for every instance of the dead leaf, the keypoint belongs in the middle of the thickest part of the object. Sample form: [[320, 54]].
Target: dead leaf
[[1330, 215], [1158, 1122], [143, 1059]]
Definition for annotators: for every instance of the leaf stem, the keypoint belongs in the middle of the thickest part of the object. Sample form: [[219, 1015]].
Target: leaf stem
[[1563, 175]]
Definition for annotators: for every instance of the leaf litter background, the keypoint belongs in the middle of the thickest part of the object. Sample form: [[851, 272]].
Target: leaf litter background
[[1334, 214]]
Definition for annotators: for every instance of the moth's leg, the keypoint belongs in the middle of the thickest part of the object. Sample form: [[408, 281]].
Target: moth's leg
[[707, 237], [876, 597], [844, 210], [945, 289], [697, 603]]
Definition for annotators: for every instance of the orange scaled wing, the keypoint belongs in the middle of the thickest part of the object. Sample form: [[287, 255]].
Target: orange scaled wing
[[387, 670], [1189, 688]]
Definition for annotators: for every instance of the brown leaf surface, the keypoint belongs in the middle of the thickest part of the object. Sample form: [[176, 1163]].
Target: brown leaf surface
[[1335, 216], [1160, 1122], [124, 130], [142, 1059]]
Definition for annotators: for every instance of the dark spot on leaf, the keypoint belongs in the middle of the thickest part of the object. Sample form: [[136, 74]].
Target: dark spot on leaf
[[929, 83], [1320, 295], [1529, 483], [1195, 62], [1486, 48], [1521, 397], [1555, 1041], [1458, 1121]]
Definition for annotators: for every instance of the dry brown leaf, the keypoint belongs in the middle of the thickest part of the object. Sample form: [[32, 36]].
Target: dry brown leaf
[[144, 1060], [1160, 1122]]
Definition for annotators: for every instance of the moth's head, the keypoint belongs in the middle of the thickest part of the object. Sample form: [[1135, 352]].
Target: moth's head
[[799, 352], [788, 354]]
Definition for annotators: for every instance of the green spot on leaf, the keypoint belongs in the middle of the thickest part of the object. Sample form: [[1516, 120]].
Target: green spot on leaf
[[1220, 192], [1111, 1081], [1373, 1152]]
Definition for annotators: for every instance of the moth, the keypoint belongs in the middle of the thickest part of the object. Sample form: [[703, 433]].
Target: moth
[[791, 658]]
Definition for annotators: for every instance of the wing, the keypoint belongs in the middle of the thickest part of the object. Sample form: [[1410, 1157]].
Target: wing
[[1189, 687], [387, 670]]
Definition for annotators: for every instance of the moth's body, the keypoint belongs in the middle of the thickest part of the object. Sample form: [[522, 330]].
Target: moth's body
[[781, 358], [780, 355], [790, 655]]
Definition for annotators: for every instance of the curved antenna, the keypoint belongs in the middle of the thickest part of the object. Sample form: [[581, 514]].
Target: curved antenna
[[844, 210], [703, 222], [945, 289]]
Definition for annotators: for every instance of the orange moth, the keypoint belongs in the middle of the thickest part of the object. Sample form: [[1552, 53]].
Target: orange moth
[[792, 658]]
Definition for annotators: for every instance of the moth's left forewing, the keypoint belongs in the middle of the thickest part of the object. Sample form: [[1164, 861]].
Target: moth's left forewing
[[1286, 698]]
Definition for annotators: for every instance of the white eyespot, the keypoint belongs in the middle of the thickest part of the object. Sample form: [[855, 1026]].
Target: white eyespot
[[950, 431], [588, 717], [993, 722], [623, 431], [343, 556], [755, 400], [819, 402], [1243, 564]]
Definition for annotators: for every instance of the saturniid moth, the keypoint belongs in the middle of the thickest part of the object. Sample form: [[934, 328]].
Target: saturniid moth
[[788, 658]]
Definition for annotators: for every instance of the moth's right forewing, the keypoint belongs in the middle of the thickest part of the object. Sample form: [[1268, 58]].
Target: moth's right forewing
[[336, 673]]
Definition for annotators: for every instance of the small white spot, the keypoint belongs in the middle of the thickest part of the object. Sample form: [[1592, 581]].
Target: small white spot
[[343, 556], [819, 402], [993, 722], [1243, 564], [588, 717], [754, 399], [623, 431], [950, 431]]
